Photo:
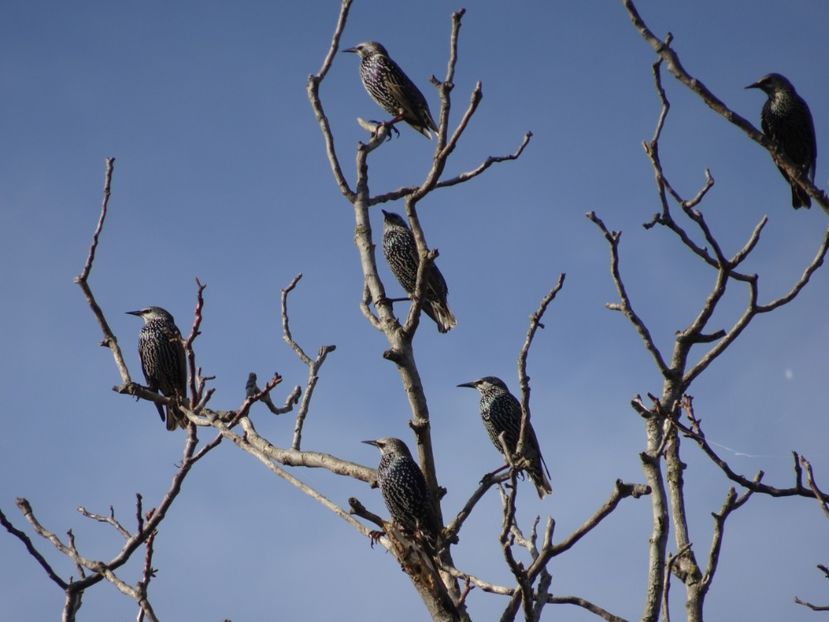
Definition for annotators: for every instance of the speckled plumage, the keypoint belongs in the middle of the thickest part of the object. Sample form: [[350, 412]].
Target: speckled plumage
[[400, 251], [163, 361], [392, 89], [501, 413], [404, 488], [787, 121]]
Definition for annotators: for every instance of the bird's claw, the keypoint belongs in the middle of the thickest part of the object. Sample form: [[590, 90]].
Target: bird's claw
[[374, 535], [389, 125]]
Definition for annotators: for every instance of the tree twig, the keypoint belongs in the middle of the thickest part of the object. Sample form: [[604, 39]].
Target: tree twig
[[313, 365]]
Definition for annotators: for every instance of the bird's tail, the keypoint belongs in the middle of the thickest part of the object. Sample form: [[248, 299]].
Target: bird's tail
[[424, 123], [542, 484], [539, 472], [800, 198], [160, 409], [424, 130], [175, 418], [442, 316]]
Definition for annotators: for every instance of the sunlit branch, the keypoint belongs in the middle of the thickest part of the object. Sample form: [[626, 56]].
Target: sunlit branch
[[523, 378], [732, 502], [252, 389], [263, 451], [109, 340], [195, 396], [523, 594], [625, 306], [458, 179], [108, 519], [453, 528], [312, 89], [810, 480], [313, 365]]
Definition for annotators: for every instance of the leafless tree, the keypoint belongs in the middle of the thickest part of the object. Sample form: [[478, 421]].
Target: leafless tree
[[668, 418]]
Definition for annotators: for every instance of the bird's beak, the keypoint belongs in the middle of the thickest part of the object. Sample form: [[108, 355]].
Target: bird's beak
[[352, 50], [754, 85], [375, 443], [138, 313], [470, 385], [385, 213]]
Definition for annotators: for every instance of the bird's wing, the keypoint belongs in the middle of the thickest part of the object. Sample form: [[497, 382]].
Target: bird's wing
[[533, 441], [412, 101], [436, 284]]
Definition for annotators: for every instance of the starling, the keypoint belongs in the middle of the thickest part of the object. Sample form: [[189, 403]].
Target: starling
[[401, 252], [163, 361], [501, 413], [404, 489], [787, 121], [392, 89]]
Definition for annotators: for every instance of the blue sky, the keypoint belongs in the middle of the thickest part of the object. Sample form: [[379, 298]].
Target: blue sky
[[221, 174]]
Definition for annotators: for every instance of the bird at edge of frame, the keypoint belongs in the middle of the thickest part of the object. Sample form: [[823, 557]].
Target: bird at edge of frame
[[400, 251], [404, 490], [163, 362], [787, 121], [501, 414], [392, 89]]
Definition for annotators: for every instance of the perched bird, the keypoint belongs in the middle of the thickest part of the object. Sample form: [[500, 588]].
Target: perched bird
[[391, 88], [401, 252], [163, 361], [787, 121], [501, 413], [404, 489]]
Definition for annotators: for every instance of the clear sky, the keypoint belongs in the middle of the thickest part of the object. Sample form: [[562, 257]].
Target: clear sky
[[221, 174]]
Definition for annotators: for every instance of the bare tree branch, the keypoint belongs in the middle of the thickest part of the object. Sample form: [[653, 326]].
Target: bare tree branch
[[30, 547], [524, 590], [458, 179], [621, 490], [251, 389], [145, 609], [732, 502], [810, 479], [585, 604], [195, 393], [313, 365], [666, 589], [810, 605], [269, 455], [625, 305], [82, 279], [312, 89], [523, 378], [454, 527], [90, 258], [109, 519]]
